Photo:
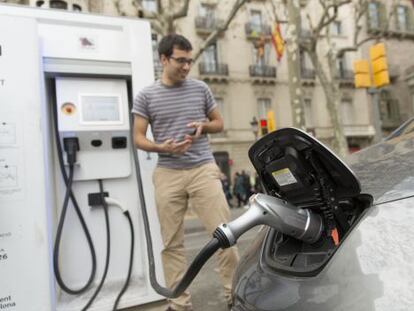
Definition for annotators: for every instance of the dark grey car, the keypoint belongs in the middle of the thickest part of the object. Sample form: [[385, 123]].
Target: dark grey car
[[369, 265]]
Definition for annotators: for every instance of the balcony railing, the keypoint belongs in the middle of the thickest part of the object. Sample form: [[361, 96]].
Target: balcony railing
[[256, 31], [217, 69], [307, 73], [345, 74], [262, 71], [393, 31], [207, 24], [305, 33]]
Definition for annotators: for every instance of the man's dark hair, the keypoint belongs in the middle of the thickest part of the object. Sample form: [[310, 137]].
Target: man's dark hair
[[169, 42]]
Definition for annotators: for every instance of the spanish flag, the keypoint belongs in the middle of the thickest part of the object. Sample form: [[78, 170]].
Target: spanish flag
[[278, 42]]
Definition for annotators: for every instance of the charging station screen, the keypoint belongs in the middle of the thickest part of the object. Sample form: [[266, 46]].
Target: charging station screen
[[99, 108]]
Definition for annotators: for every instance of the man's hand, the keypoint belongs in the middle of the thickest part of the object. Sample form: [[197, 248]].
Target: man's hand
[[198, 126], [171, 146]]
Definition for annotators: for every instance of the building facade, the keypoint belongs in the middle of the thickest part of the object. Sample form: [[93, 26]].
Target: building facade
[[247, 81], [396, 102]]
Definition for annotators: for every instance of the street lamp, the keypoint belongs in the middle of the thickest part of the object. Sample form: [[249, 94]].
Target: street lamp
[[255, 127]]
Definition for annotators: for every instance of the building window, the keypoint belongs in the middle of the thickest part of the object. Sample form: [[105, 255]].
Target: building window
[[341, 66], [264, 106], [373, 15], [39, 3], [206, 14], [388, 108], [206, 11], [347, 112], [261, 54], [210, 58], [256, 21], [76, 8], [402, 18], [149, 5], [156, 58], [307, 103], [58, 4], [336, 28]]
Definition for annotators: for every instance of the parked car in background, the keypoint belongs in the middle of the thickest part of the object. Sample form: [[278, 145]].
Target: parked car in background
[[368, 265]]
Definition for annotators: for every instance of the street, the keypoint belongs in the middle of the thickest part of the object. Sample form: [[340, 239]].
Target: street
[[206, 288]]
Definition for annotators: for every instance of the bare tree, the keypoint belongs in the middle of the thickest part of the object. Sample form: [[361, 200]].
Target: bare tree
[[163, 19], [328, 75]]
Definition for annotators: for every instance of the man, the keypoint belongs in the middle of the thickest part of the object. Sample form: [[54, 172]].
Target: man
[[181, 112]]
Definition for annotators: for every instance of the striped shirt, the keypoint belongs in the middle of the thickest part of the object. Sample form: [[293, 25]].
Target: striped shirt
[[169, 109]]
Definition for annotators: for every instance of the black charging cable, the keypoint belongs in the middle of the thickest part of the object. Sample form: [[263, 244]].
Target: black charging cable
[[131, 260], [209, 249], [108, 246], [72, 146]]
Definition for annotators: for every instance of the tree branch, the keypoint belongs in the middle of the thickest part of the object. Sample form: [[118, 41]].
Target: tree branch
[[145, 13], [213, 36], [383, 33], [183, 11]]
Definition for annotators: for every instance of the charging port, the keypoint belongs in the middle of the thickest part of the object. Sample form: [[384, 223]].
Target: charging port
[[119, 142]]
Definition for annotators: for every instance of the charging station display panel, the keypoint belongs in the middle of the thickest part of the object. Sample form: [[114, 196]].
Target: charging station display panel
[[100, 109], [95, 112]]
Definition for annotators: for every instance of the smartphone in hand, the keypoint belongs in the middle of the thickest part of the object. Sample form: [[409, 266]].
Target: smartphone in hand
[[182, 137]]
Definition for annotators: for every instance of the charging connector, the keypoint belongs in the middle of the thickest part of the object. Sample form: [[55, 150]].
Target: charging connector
[[71, 147]]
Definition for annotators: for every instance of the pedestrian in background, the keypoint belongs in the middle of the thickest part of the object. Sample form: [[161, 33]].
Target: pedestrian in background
[[239, 190], [182, 112], [226, 188], [247, 187]]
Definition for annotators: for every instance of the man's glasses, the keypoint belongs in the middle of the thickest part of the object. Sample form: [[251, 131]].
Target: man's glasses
[[182, 60]]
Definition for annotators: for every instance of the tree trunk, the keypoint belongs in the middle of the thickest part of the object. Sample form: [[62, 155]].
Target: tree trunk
[[293, 60], [333, 100]]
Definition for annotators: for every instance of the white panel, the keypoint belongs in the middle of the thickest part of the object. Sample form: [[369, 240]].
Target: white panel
[[23, 223]]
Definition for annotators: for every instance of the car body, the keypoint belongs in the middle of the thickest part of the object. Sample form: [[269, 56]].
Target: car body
[[372, 268]]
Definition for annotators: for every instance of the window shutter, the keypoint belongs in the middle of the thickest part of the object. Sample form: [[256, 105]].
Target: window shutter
[[410, 19], [382, 12], [397, 19], [368, 15]]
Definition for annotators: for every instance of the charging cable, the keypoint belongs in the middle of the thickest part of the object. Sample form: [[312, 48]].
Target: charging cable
[[71, 145], [112, 201]]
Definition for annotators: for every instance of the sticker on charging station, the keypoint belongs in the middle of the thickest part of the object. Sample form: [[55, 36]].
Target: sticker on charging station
[[284, 177], [11, 175], [7, 303], [7, 134]]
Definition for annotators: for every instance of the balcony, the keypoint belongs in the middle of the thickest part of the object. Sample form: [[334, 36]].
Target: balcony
[[255, 31], [395, 31], [263, 74], [206, 25], [307, 76], [213, 72], [345, 77], [305, 34]]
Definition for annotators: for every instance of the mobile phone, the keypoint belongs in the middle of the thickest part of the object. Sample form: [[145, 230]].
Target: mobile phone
[[192, 133]]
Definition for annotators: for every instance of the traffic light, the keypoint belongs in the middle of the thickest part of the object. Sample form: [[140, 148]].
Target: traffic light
[[263, 127], [379, 65], [271, 123], [361, 74]]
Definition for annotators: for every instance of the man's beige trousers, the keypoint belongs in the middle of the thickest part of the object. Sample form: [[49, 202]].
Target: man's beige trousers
[[174, 189]]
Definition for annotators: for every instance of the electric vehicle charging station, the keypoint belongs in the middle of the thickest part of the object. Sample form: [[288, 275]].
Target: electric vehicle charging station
[[86, 69], [65, 106]]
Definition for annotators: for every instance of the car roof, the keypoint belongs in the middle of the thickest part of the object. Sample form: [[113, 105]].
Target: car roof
[[386, 170]]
